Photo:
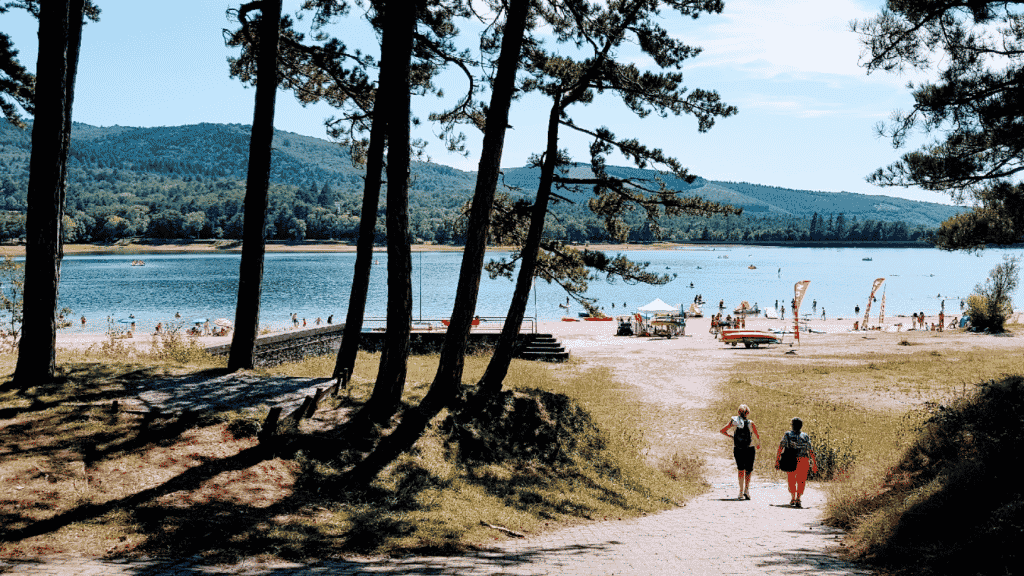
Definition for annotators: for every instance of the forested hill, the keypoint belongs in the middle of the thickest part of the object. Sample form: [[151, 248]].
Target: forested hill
[[188, 181], [217, 151], [758, 200]]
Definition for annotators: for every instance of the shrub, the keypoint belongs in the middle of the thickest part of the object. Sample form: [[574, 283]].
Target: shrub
[[990, 305], [683, 466], [173, 345], [953, 499], [834, 451]]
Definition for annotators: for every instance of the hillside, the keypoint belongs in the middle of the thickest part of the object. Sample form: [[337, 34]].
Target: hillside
[[758, 200], [126, 181]]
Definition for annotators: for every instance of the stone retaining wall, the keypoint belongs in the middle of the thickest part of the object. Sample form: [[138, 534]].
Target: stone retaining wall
[[297, 344]]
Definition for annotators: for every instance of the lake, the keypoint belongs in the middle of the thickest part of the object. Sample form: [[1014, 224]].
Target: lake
[[317, 284]]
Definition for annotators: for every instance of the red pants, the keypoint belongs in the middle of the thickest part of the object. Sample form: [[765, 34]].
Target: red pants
[[798, 478]]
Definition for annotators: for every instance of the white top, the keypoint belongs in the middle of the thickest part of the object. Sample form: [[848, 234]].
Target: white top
[[737, 422]]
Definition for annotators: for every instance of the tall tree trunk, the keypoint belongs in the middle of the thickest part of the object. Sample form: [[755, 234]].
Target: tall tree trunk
[[396, 61], [364, 245], [257, 185], [60, 36], [449, 372], [497, 368], [448, 378]]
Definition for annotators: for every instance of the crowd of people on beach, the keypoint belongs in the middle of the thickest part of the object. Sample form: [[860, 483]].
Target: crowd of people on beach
[[296, 324]]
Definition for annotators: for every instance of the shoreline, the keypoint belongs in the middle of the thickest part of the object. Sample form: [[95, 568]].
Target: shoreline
[[235, 246], [697, 331]]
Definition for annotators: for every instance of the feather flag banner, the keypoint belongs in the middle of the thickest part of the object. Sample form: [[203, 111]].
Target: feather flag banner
[[874, 287]]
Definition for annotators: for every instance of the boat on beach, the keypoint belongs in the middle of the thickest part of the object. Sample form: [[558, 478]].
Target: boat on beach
[[746, 309], [749, 338]]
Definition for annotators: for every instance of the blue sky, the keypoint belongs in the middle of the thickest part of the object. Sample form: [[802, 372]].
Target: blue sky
[[806, 117]]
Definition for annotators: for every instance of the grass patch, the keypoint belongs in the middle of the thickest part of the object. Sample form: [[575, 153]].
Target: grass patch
[[855, 407], [79, 478]]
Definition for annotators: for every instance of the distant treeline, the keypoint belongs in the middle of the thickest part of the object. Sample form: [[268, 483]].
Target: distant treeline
[[106, 205]]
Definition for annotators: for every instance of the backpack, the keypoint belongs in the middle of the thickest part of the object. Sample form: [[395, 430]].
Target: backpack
[[787, 461], [741, 438]]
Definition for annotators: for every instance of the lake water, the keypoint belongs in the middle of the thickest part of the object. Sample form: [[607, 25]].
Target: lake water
[[318, 284]]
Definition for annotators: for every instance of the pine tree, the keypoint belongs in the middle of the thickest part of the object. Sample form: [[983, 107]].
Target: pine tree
[[975, 50], [567, 81], [16, 82], [250, 274], [60, 36]]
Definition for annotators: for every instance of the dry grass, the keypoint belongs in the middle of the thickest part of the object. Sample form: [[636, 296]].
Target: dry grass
[[856, 407], [80, 479], [876, 381], [951, 498], [869, 411]]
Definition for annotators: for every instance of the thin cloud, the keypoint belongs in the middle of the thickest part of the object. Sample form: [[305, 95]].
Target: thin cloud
[[793, 36]]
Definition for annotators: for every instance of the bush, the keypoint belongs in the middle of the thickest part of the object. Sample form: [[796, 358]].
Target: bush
[[953, 499], [834, 451], [990, 305]]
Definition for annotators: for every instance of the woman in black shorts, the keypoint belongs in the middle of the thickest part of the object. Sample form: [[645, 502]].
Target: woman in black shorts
[[746, 441]]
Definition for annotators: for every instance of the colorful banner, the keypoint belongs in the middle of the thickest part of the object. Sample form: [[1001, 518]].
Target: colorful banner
[[798, 296], [874, 287], [881, 312]]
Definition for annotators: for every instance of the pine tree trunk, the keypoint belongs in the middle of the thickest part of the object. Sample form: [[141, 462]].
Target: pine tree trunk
[[497, 368], [396, 60], [60, 34], [449, 373], [257, 185], [448, 378], [364, 245]]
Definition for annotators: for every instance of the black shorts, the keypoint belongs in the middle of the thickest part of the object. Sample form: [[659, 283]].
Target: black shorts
[[744, 458]]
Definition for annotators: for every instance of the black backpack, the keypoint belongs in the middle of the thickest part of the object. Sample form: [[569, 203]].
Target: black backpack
[[741, 438]]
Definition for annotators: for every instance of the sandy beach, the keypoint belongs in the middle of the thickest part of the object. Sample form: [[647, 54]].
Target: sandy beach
[[825, 336], [86, 340]]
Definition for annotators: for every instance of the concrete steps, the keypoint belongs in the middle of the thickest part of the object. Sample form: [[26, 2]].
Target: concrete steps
[[542, 347]]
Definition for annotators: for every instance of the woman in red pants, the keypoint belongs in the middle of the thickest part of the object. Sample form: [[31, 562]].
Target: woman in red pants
[[801, 443]]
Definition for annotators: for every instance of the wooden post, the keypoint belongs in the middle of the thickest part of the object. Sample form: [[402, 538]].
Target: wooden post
[[298, 414], [342, 382], [148, 418], [270, 424], [316, 402]]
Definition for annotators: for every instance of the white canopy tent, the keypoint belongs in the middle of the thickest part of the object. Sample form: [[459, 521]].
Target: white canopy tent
[[659, 307]]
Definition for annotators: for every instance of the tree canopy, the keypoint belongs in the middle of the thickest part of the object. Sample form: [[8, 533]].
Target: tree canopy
[[975, 52], [17, 83]]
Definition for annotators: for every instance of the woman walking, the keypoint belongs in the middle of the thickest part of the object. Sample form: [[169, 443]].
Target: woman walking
[[746, 441], [796, 446]]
